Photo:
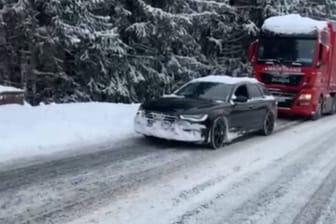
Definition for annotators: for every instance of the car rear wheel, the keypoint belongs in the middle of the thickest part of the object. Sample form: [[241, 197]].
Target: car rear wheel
[[217, 133], [268, 124]]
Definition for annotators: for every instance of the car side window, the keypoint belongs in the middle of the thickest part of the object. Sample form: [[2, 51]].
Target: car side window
[[264, 91], [241, 91], [254, 91]]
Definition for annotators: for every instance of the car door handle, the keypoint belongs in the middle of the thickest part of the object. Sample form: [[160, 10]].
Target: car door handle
[[251, 107]]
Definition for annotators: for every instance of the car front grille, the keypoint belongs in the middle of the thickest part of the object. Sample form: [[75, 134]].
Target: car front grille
[[281, 79], [284, 98], [160, 116]]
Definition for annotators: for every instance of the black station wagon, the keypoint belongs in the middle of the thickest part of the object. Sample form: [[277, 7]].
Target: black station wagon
[[209, 110]]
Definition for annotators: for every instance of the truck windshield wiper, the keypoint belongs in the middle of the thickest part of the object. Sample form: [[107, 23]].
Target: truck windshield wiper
[[272, 61], [287, 61], [294, 63], [291, 62], [269, 62]]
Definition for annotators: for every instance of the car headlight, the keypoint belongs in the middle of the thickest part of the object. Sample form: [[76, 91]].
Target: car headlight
[[305, 96], [140, 111], [194, 117]]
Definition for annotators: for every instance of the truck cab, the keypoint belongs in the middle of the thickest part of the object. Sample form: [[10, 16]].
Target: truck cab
[[295, 58]]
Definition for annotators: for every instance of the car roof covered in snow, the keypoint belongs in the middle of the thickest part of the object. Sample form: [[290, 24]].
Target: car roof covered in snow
[[7, 89], [226, 79], [293, 24]]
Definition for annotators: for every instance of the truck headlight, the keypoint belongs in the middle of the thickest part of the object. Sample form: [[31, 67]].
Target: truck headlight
[[194, 117], [305, 96]]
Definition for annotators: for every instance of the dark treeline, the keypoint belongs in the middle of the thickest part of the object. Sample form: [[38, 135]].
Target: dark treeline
[[129, 50]]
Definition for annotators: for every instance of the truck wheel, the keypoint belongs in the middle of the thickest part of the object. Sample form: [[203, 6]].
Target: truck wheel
[[318, 111], [333, 106], [268, 124], [217, 133]]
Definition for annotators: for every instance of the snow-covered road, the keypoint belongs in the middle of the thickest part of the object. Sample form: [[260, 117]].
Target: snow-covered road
[[289, 177]]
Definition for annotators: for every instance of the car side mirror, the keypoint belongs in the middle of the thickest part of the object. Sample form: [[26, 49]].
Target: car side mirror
[[240, 99], [251, 51]]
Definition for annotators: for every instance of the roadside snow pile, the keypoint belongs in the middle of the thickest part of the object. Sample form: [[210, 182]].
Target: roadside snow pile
[[5, 89], [27, 131], [293, 24]]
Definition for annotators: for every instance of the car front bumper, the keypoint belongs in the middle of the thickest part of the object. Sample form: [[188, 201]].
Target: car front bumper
[[178, 130]]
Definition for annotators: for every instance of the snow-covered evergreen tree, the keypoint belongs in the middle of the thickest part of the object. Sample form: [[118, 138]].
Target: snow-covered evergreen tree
[[129, 50]]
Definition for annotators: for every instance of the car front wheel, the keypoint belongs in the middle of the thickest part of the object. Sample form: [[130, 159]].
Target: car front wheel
[[268, 124], [217, 133]]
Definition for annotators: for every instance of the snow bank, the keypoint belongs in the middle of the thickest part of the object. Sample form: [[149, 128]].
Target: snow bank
[[27, 131], [4, 89], [293, 24], [225, 79]]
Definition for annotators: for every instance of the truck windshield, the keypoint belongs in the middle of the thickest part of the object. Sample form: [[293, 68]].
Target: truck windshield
[[286, 50]]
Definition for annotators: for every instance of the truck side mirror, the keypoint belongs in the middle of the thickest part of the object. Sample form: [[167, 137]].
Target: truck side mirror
[[251, 51], [324, 54]]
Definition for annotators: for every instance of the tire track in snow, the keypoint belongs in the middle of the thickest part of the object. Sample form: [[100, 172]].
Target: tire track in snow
[[86, 195], [328, 216], [268, 194], [320, 200], [187, 194], [302, 194], [38, 173], [69, 174], [279, 208]]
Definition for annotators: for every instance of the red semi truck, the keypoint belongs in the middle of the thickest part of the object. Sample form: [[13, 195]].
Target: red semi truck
[[295, 57]]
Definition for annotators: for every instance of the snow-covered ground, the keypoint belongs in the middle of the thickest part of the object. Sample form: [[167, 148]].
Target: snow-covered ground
[[288, 177], [5, 89], [27, 131]]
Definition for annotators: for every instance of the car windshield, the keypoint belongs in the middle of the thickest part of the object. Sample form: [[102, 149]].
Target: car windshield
[[286, 50], [206, 90]]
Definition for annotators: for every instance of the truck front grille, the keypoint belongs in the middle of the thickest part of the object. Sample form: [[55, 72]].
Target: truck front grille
[[281, 79], [284, 98]]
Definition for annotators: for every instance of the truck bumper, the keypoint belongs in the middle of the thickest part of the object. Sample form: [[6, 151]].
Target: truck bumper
[[303, 111], [292, 105]]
